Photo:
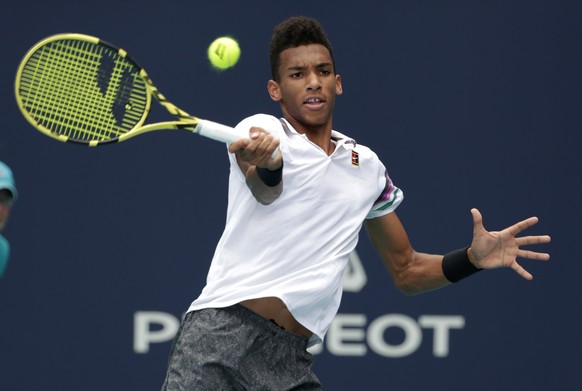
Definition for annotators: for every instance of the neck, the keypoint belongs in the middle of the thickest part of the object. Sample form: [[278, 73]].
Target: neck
[[319, 135]]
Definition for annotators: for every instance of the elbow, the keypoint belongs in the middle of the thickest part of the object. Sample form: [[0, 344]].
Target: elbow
[[268, 195], [407, 281], [266, 200], [408, 288], [404, 274], [414, 281]]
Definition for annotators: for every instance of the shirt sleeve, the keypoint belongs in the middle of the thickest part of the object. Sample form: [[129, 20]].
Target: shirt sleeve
[[389, 199]]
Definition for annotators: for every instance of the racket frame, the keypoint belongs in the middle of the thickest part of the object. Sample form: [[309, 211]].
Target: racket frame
[[185, 121]]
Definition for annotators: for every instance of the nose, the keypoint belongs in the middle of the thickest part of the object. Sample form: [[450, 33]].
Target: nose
[[313, 83]]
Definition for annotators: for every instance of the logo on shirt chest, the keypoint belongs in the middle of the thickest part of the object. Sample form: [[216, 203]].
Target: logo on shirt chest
[[355, 159]]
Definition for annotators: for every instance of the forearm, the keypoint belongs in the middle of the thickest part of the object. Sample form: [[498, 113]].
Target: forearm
[[411, 271], [419, 273], [265, 193]]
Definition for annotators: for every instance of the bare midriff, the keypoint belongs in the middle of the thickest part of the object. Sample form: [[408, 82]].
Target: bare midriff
[[272, 308]]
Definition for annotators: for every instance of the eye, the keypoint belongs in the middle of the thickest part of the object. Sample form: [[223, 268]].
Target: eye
[[296, 75]]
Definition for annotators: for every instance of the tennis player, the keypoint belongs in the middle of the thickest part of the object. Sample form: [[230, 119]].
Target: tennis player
[[275, 281], [8, 196]]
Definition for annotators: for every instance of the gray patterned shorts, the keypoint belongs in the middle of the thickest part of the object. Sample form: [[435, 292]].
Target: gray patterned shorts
[[234, 348]]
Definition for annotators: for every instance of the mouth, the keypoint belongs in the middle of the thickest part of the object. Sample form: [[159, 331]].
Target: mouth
[[314, 102]]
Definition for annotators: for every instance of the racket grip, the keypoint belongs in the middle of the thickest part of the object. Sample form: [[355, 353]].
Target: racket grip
[[223, 133], [217, 132]]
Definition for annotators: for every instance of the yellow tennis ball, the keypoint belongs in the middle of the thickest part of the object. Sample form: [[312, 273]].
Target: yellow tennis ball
[[223, 53]]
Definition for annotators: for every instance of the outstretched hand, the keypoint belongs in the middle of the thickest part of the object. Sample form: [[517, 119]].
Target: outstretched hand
[[490, 250], [258, 149]]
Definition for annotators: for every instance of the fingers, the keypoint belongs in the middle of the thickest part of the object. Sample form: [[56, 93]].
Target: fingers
[[238, 146], [528, 240], [477, 217], [262, 144], [513, 230], [258, 149], [477, 220], [533, 255], [521, 271], [522, 225]]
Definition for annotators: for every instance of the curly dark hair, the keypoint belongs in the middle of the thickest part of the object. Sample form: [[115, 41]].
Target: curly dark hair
[[293, 32]]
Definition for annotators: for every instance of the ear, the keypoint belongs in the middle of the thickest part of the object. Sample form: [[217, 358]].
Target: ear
[[338, 85], [274, 90]]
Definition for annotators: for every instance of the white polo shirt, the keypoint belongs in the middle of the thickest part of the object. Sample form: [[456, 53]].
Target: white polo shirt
[[296, 249]]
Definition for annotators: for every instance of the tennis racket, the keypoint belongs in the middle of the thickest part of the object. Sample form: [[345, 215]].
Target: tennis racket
[[77, 88]]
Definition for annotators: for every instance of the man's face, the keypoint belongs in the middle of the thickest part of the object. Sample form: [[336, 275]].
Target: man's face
[[5, 207], [307, 86]]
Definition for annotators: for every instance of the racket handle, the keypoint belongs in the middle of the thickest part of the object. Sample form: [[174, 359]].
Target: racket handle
[[223, 133], [218, 132]]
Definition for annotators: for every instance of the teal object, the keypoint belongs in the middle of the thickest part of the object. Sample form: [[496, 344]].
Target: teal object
[[4, 254], [7, 180]]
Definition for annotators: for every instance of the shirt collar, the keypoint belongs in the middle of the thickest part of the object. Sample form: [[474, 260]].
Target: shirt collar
[[341, 139]]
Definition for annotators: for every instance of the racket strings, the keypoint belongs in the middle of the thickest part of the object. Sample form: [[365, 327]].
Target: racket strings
[[68, 85], [60, 87], [83, 90]]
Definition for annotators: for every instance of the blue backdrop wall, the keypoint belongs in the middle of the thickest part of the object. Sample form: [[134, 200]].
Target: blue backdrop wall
[[468, 103]]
